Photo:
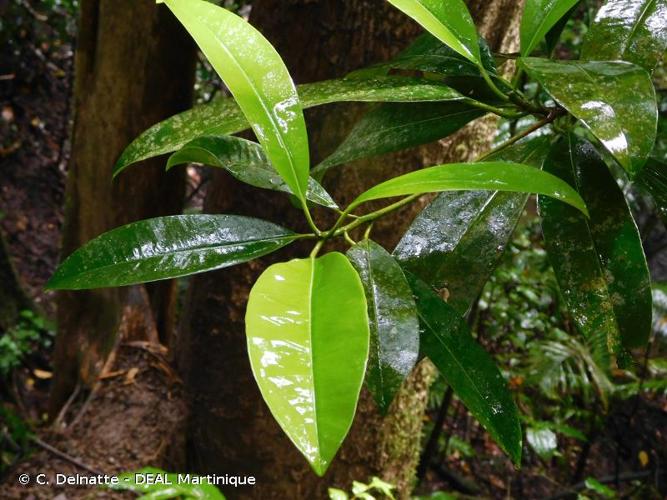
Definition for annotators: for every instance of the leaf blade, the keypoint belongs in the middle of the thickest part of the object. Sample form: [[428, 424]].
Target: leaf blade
[[539, 16]]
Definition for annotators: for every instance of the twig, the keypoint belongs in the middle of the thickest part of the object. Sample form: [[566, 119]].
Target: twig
[[57, 423], [65, 456]]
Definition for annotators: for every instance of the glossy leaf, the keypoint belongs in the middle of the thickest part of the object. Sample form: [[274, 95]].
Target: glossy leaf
[[653, 179], [599, 262], [307, 331], [197, 487], [393, 127], [467, 368], [259, 81], [167, 247], [246, 161], [494, 176], [448, 20], [394, 326], [458, 239], [539, 16], [630, 30], [223, 116], [615, 100]]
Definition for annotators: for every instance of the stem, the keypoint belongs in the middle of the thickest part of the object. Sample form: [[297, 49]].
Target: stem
[[492, 85], [349, 239], [494, 109], [335, 231], [316, 249], [309, 218]]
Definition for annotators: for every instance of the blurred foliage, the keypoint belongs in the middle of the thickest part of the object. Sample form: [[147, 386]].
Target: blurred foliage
[[376, 489], [14, 437], [31, 333]]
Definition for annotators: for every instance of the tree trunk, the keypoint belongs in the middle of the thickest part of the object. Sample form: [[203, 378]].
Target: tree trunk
[[12, 297], [134, 66], [231, 430]]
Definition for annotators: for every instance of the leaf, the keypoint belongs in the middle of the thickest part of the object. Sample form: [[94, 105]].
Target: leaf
[[448, 20], [223, 116], [599, 262], [630, 30], [393, 127], [467, 368], [653, 179], [308, 358], [259, 81], [156, 483], [246, 161], [543, 441], [615, 100], [394, 327], [167, 247], [493, 176], [599, 488], [458, 239], [539, 16]]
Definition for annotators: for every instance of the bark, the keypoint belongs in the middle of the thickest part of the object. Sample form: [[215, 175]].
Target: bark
[[231, 430], [134, 66], [12, 297]]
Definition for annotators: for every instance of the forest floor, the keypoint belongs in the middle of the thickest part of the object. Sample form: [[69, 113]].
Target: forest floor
[[131, 418]]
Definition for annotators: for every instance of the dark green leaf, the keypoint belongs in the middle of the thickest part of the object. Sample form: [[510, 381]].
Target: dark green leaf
[[259, 81], [553, 35], [246, 161], [223, 116], [630, 30], [457, 241], [393, 127], [653, 179], [539, 16], [467, 368], [394, 345], [493, 176], [167, 247], [615, 100], [599, 262], [448, 20]]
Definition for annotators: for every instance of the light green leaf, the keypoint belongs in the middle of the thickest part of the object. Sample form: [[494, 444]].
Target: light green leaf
[[539, 16], [154, 483], [167, 247], [494, 176], [458, 239], [615, 100], [259, 81], [543, 441], [630, 30], [394, 327], [309, 359], [467, 368], [599, 262], [394, 127], [246, 161], [447, 20], [223, 116]]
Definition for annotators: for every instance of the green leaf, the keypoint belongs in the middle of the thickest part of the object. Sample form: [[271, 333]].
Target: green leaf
[[448, 20], [458, 239], [259, 81], [167, 247], [599, 262], [393, 127], [615, 100], [539, 16], [543, 441], [630, 30], [336, 494], [653, 179], [394, 327], [246, 161], [493, 176], [467, 368], [309, 358], [156, 483], [599, 488], [223, 116]]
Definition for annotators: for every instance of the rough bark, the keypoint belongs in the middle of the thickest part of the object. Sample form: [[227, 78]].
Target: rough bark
[[231, 430], [134, 66]]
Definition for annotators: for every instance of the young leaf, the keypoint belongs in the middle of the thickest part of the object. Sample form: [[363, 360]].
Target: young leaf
[[458, 239], [493, 176], [246, 161], [223, 116], [167, 247], [467, 368], [393, 127], [615, 100], [394, 327], [257, 77], [630, 30], [307, 332], [448, 20], [599, 262], [539, 16]]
